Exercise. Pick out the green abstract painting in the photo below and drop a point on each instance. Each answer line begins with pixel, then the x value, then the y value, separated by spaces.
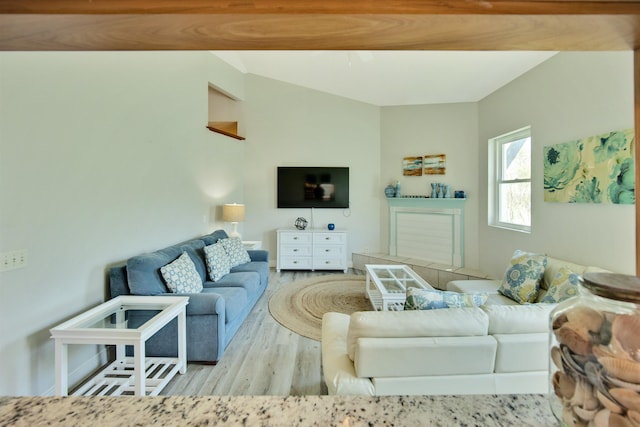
pixel 597 169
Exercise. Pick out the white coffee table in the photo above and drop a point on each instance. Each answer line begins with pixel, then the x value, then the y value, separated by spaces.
pixel 387 285
pixel 107 324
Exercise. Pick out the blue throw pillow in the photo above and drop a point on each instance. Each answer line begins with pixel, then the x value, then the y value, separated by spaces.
pixel 430 299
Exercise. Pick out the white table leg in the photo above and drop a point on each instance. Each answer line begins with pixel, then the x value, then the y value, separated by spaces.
pixel 139 376
pixel 182 341
pixel 62 386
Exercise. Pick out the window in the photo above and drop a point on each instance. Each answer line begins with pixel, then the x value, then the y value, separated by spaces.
pixel 510 180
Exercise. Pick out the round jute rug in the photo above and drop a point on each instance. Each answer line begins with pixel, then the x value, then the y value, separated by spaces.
pixel 300 305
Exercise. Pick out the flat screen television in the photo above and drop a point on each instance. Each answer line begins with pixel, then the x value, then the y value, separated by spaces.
pixel 313 187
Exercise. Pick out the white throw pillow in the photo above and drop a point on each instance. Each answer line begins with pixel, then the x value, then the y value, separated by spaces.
pixel 181 275
pixel 218 263
pixel 236 251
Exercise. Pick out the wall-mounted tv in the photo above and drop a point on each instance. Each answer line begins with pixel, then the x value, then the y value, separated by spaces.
pixel 313 187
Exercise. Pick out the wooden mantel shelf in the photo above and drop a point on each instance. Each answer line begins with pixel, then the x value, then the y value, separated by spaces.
pixel 226 128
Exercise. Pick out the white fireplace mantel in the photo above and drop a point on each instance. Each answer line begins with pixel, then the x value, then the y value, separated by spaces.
pixel 427 228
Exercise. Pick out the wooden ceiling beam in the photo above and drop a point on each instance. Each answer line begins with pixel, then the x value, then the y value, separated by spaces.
pixel 385 7
pixel 319 24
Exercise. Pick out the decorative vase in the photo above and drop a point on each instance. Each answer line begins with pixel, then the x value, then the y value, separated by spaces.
pixel 440 193
pixel 390 191
pixel 398 189
pixel 447 191
pixel 434 192
pixel 331 226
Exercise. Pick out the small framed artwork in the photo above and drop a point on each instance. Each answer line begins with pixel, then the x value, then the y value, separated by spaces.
pixel 435 164
pixel 412 166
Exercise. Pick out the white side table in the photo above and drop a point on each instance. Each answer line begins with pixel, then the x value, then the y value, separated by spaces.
pixel 107 324
pixel 252 244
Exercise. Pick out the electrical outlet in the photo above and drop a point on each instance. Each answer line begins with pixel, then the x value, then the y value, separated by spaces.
pixel 12 260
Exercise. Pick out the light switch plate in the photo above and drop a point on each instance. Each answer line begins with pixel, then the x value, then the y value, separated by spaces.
pixel 12 260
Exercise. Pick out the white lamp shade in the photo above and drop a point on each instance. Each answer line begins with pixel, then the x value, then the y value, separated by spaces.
pixel 233 212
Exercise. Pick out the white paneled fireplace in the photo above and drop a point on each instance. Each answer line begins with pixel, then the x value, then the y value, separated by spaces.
pixel 427 229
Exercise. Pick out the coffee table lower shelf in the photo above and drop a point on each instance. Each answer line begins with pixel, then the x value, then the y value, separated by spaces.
pixel 117 378
pixel 375 296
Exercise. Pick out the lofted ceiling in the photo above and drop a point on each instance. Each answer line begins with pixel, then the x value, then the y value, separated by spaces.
pixel 386 78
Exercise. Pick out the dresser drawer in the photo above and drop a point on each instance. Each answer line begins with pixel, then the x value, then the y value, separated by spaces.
pixel 297 238
pixel 328 238
pixel 295 263
pixel 329 264
pixel 328 251
pixel 295 250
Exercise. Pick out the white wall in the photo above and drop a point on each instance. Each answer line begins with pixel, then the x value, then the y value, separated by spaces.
pixel 570 96
pixel 450 129
pixel 289 125
pixel 102 156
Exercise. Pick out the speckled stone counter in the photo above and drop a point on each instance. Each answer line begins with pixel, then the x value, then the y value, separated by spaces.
pixel 503 410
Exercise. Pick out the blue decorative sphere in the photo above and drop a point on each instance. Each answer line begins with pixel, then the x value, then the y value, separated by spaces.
pixel 390 191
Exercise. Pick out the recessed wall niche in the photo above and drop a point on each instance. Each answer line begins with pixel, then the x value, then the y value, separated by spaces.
pixel 225 113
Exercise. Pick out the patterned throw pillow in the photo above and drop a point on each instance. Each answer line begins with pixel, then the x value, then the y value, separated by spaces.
pixel 430 299
pixel 236 251
pixel 181 275
pixel 563 286
pixel 218 263
pixel 522 279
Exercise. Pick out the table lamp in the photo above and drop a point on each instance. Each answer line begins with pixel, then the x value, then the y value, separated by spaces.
pixel 233 213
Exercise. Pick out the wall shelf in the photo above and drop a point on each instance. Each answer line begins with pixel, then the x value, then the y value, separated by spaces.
pixel 225 128
pixel 225 113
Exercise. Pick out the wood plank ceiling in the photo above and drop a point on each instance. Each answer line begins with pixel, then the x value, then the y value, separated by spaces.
pixel 39 25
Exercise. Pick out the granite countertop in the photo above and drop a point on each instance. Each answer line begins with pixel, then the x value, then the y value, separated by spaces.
pixel 481 410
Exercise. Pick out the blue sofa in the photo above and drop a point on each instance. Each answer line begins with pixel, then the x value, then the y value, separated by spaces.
pixel 213 315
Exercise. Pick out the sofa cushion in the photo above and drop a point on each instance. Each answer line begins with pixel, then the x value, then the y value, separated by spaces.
pixel 218 263
pixel 260 267
pixel 452 322
pixel 522 279
pixel 518 319
pixel 522 352
pixel 236 251
pixel 428 299
pixel 143 271
pixel 195 249
pixel 562 287
pixel 212 238
pixel 249 280
pixel 181 275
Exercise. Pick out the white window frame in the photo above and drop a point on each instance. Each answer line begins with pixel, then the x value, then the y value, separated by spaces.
pixel 495 178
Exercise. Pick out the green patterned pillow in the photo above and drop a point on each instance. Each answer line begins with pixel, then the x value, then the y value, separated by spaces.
pixel 218 263
pixel 430 299
pixel 563 286
pixel 236 251
pixel 181 275
pixel 522 279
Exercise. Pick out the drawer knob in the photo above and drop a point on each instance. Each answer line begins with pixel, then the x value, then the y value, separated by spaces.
pixel 327 238
pixel 295 262
pixel 327 250
pixel 295 238
pixel 295 250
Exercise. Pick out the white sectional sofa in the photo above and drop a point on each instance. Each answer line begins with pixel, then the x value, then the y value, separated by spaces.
pixel 498 348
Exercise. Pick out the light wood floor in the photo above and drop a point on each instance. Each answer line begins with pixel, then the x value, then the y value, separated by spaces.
pixel 263 358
